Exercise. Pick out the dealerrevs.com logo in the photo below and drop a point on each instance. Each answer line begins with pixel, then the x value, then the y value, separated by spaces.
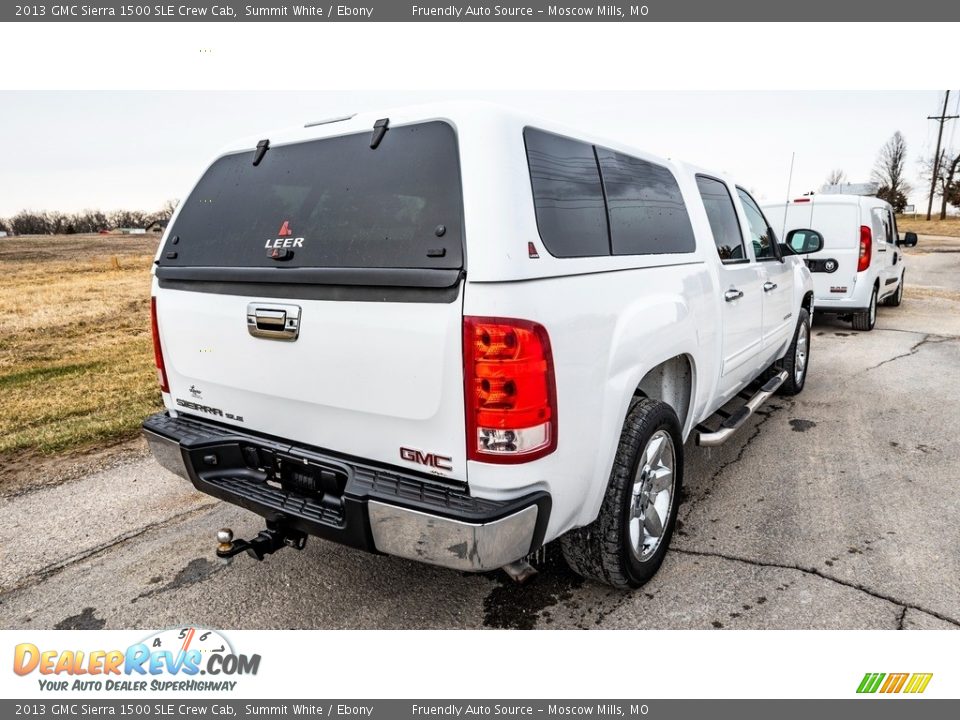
pixel 178 659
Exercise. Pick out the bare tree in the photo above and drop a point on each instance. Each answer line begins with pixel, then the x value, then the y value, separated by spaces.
pixel 169 207
pixel 128 219
pixel 27 222
pixel 947 181
pixel 836 177
pixel 890 171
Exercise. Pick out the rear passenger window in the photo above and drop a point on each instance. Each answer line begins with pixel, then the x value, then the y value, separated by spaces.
pixel 567 195
pixel 723 219
pixel 646 210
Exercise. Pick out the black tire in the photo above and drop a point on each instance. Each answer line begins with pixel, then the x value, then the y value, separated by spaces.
pixel 866 320
pixel 602 551
pixel 792 361
pixel 897 298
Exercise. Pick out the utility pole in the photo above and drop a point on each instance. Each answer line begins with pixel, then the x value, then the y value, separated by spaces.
pixel 941 118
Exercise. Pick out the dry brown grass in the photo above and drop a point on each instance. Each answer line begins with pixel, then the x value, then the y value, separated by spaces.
pixel 76 359
pixel 949 227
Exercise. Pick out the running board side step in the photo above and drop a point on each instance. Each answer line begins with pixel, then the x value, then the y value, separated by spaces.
pixel 737 419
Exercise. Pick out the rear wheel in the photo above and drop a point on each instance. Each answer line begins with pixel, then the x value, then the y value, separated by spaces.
pixel 797 359
pixel 626 544
pixel 867 319
pixel 897 298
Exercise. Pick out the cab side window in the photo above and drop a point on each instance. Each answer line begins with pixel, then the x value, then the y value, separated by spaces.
pixel 761 235
pixel 723 219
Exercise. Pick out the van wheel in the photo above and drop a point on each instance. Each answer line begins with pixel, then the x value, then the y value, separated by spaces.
pixel 866 320
pixel 797 359
pixel 897 298
pixel 625 545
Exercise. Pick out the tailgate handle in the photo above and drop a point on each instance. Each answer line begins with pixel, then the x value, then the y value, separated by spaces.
pixel 273 321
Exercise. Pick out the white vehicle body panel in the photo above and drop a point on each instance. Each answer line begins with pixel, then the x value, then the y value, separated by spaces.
pixel 839 219
pixel 363 378
pixel 366 378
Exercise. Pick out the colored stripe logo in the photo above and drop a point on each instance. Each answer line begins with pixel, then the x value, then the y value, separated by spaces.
pixel 913 683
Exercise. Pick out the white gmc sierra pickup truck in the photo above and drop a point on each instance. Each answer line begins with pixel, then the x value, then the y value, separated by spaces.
pixel 455 333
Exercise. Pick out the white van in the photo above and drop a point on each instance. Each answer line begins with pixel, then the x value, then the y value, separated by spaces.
pixel 861 263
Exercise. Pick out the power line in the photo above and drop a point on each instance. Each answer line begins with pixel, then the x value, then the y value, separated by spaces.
pixel 941 118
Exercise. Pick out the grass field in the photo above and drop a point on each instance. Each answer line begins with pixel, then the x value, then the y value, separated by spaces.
pixel 949 227
pixel 76 359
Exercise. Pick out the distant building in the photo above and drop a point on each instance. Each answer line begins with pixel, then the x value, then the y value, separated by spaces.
pixel 867 188
pixel 3 233
pixel 157 226
pixel 132 231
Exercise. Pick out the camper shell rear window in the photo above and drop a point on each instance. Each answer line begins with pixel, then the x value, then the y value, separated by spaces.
pixel 328 203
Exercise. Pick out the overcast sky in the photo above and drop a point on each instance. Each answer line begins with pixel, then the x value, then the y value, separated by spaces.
pixel 73 150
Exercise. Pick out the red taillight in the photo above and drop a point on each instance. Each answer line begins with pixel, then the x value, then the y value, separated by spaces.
pixel 157 350
pixel 509 390
pixel 866 248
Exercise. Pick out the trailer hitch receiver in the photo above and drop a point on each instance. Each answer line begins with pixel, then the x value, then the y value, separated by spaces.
pixel 274 537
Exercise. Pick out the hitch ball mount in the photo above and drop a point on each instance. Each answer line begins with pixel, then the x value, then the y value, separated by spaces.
pixel 274 537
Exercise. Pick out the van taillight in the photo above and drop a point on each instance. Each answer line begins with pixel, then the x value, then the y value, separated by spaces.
pixel 157 350
pixel 866 248
pixel 509 390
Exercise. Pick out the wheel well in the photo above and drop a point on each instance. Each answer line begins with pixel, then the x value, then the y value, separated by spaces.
pixel 807 302
pixel 670 382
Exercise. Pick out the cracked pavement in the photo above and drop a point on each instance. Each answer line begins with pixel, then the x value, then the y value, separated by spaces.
pixel 839 508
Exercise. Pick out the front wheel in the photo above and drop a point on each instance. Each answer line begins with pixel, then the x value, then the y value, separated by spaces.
pixel 866 320
pixel 797 359
pixel 626 544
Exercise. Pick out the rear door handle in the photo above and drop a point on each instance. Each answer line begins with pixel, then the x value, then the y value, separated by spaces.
pixel 768 286
pixel 732 294
pixel 273 321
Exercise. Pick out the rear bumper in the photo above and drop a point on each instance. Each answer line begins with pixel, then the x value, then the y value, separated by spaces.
pixel 842 306
pixel 349 501
pixel 838 309
pixel 857 300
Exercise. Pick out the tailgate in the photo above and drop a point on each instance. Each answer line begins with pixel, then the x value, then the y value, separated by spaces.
pixel 313 292
pixel 362 378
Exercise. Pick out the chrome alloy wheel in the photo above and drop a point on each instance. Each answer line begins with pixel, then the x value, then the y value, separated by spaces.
pixel 651 499
pixel 800 356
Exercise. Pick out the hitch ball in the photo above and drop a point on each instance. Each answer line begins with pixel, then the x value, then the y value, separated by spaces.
pixel 224 539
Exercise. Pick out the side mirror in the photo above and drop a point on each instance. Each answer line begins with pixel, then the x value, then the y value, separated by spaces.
pixel 909 240
pixel 804 242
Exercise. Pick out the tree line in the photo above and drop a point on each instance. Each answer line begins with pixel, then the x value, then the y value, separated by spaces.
pixel 52 222
pixel 890 170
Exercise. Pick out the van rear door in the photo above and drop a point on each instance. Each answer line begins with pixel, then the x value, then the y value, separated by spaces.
pixel 835 266
pixel 312 292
